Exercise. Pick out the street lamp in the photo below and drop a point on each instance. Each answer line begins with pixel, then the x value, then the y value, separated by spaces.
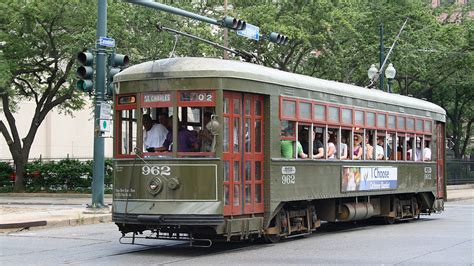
pixel 374 73
pixel 390 75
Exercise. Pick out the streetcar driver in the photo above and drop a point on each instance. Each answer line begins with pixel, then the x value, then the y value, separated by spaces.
pixel 154 134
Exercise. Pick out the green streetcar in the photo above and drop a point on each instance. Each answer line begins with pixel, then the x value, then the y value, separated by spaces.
pixel 283 152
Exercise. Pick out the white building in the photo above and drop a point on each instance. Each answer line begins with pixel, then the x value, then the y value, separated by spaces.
pixel 59 136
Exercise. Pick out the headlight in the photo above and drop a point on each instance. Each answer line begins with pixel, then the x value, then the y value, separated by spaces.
pixel 154 185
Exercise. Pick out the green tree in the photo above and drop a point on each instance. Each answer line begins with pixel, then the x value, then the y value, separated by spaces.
pixel 39 42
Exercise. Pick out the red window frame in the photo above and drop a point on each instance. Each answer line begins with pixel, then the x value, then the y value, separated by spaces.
pixel 414 124
pixel 381 127
pixel 118 122
pixel 325 112
pixel 367 126
pixel 282 115
pixel 329 122
pixel 292 137
pixel 404 128
pixel 310 111
pixel 419 131
pixel 363 117
pixel 352 116
pixel 428 130
pixel 388 123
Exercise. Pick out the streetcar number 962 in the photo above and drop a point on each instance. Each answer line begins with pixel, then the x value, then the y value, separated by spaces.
pixel 287 179
pixel 156 170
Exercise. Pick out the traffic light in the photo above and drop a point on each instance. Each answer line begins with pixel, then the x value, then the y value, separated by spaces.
pixel 85 72
pixel 278 38
pixel 233 23
pixel 117 62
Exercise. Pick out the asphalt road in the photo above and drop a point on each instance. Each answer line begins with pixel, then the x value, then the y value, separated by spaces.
pixel 445 238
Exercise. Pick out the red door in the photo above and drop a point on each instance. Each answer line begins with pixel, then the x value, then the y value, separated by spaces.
pixel 440 147
pixel 243 153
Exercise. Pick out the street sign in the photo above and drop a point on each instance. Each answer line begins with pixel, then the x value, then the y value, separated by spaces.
pixel 105 110
pixel 107 42
pixel 250 31
pixel 104 125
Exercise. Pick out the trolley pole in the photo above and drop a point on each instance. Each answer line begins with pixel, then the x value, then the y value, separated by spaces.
pixel 99 162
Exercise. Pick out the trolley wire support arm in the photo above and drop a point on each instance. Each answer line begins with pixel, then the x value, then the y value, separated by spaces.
pixel 227 22
pixel 376 77
pixel 245 55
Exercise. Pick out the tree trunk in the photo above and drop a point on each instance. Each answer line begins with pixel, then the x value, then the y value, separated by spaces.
pixel 20 168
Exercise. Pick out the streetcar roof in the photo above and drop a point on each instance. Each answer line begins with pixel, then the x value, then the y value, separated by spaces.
pixel 198 67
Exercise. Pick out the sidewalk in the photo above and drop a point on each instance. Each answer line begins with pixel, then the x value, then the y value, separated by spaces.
pixel 41 210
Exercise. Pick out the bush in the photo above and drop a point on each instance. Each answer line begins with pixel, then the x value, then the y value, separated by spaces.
pixel 67 175
pixel 6 170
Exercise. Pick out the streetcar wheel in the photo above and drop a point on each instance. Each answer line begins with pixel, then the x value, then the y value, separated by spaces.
pixel 390 220
pixel 271 239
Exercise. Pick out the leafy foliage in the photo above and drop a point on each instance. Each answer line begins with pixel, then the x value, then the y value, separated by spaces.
pixel 66 175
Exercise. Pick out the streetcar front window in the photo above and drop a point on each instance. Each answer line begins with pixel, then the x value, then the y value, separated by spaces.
pixel 195 134
pixel 126 125
pixel 128 131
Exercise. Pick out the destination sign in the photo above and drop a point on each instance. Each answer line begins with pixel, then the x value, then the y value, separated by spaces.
pixel 157 97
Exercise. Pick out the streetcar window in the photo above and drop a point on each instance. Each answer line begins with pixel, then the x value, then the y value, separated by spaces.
pixel 194 130
pixel 347 116
pixel 332 144
pixel 156 124
pixel 381 121
pixel 410 124
pixel 391 122
pixel 428 126
pixel 427 151
pixel 401 123
pixel 370 119
pixel 391 147
pixel 369 144
pixel 319 112
pixel 359 118
pixel 343 148
pixel 380 149
pixel 419 125
pixel 127 131
pixel 333 114
pixel 287 130
pixel 304 110
pixel 289 109
pixel 402 148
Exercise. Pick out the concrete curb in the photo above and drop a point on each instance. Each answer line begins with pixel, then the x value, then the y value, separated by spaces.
pixel 54 218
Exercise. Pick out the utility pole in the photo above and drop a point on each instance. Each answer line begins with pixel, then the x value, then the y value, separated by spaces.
pixel 226 32
pixel 382 58
pixel 99 162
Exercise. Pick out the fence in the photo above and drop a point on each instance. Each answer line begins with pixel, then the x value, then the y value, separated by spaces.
pixel 459 171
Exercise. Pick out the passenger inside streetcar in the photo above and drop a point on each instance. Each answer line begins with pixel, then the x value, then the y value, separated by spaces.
pixel 357 148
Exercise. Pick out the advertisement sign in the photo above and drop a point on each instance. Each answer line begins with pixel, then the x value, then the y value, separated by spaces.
pixel 367 178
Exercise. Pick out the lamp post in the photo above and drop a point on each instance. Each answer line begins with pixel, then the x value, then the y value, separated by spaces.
pixel 374 74
pixel 390 75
